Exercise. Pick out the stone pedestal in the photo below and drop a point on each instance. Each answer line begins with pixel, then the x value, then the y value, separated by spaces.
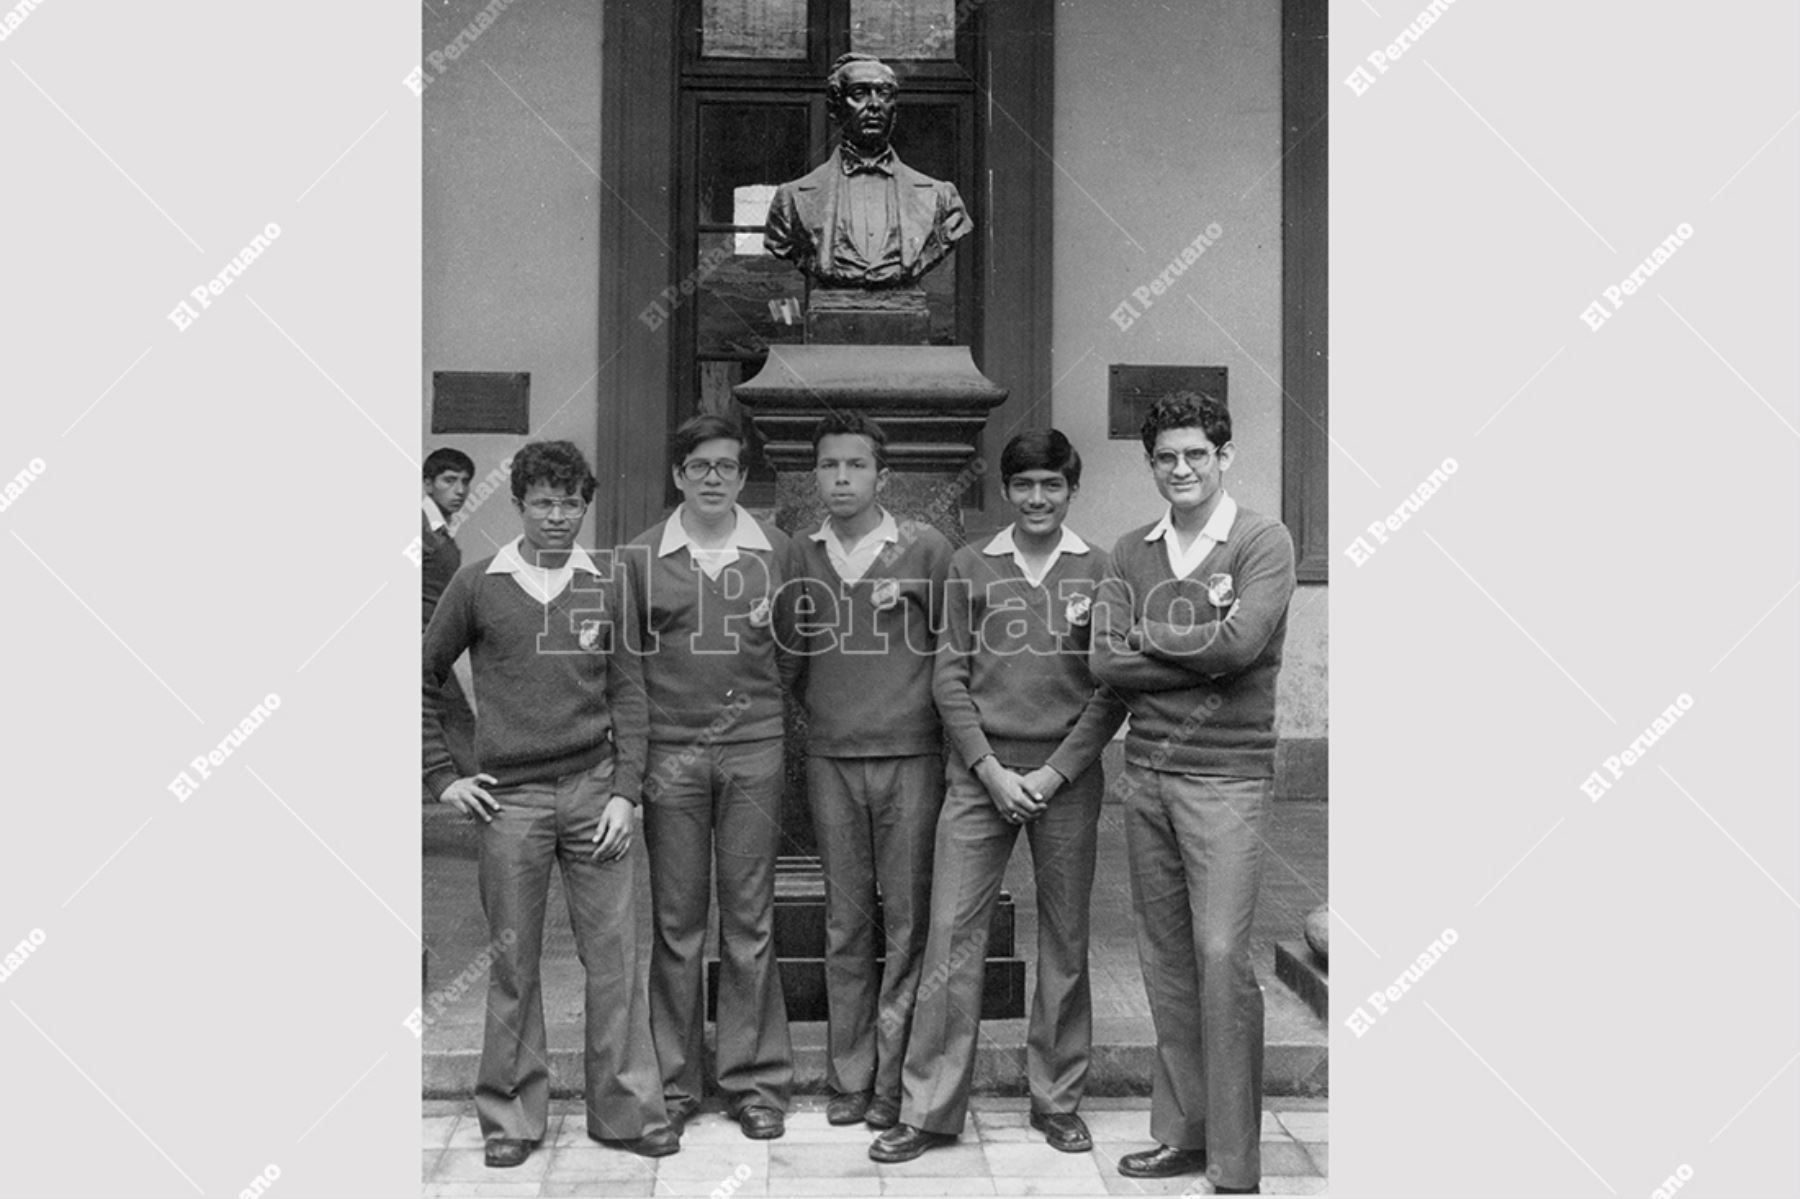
pixel 933 403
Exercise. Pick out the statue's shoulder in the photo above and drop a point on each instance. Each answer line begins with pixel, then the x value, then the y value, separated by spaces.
pixel 815 178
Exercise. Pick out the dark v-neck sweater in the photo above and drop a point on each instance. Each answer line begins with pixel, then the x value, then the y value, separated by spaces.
pixel 710 662
pixel 865 667
pixel 546 704
pixel 1202 689
pixel 1012 672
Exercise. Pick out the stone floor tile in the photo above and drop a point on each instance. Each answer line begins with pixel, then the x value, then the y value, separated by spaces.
pixel 712 1128
pixel 810 1126
pixel 465 1165
pixel 937 1186
pixel 636 1188
pixel 1117 1184
pixel 1306 1126
pixel 812 1160
pixel 699 1188
pixel 1010 1129
pixel 480 1190
pixel 430 1163
pixel 1272 1127
pixel 1285 1157
pixel 1085 1185
pixel 826 1186
pixel 963 1160
pixel 1296 1103
pixel 447 1107
pixel 435 1130
pixel 1117 1126
pixel 1320 1153
pixel 1304 1184
pixel 466 1134
pixel 1000 1103
pixel 597 1163
pixel 1038 1161
pixel 713 1164
pixel 999 1117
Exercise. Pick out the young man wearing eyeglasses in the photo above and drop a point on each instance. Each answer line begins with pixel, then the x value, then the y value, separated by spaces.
pixel 1188 629
pixel 560 736
pixel 1027 724
pixel 868 593
pixel 704 583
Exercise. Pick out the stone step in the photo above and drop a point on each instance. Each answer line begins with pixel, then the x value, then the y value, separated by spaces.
pixel 1300 968
pixel 1294 1054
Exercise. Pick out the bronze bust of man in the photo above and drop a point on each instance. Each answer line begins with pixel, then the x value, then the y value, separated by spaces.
pixel 864 219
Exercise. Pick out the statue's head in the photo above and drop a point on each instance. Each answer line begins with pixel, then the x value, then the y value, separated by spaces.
pixel 861 94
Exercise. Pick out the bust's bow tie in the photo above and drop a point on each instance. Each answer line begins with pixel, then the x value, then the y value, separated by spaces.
pixel 856 164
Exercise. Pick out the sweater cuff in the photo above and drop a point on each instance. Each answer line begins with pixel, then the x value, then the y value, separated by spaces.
pixel 438 780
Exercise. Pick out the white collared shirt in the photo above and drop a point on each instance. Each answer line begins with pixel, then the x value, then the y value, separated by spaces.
pixel 1003 544
pixel 434 519
pixel 1217 529
pixel 746 534
pixel 540 584
pixel 852 564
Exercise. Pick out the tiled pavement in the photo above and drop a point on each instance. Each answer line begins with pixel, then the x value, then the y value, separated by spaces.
pixel 997 1155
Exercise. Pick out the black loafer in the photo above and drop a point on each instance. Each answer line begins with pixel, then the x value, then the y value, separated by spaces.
pixel 903 1142
pixel 658 1142
pixel 847 1109
pixel 1063 1130
pixel 1162 1162
pixel 762 1123
pixel 882 1113
pixel 681 1113
pixel 503 1153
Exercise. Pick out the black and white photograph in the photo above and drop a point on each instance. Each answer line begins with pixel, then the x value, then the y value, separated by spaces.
pixel 964 547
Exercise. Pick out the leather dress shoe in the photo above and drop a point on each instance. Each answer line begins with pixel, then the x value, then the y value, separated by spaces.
pixel 903 1142
pixel 882 1113
pixel 1164 1161
pixel 762 1123
pixel 1063 1130
pixel 680 1114
pixel 658 1142
pixel 848 1108
pixel 502 1153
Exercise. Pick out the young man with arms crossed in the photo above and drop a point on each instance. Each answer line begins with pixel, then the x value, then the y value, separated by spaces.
pixel 704 583
pixel 1027 725
pixel 866 597
pixel 1189 629
pixel 560 738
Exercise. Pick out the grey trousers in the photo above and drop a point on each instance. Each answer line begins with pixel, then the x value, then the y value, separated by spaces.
pixel 974 842
pixel 704 803
pixel 875 819
pixel 542 824
pixel 1196 857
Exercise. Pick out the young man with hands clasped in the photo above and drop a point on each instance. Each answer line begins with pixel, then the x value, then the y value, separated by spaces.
pixel 1027 724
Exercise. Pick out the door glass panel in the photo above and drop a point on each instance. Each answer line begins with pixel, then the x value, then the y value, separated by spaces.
pixel 904 28
pixel 753 29
pixel 745 301
pixel 745 150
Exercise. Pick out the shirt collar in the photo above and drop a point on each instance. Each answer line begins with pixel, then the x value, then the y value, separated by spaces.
pixel 887 530
pixel 1218 525
pixel 855 164
pixel 1003 544
pixel 745 535
pixel 510 562
pixel 434 519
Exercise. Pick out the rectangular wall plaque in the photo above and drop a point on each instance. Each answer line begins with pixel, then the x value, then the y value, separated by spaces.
pixel 1131 389
pixel 481 401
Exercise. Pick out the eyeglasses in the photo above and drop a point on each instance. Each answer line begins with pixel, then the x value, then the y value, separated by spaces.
pixel 697 469
pixel 544 509
pixel 1197 460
